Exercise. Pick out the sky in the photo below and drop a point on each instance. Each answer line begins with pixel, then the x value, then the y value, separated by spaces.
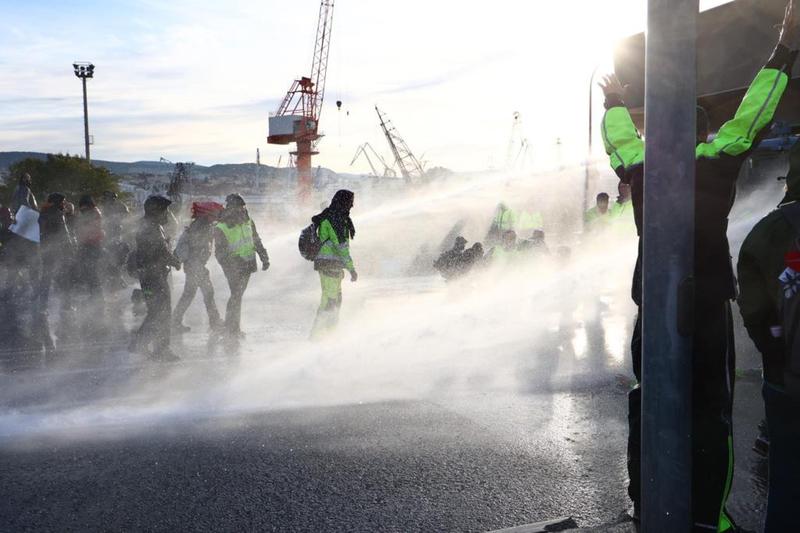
pixel 196 80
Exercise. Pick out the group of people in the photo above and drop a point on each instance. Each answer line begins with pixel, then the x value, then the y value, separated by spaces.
pixel 768 284
pixel 51 249
pixel 54 248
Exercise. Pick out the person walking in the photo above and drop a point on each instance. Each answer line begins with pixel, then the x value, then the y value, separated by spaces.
pixel 194 251
pixel 153 261
pixel 335 229
pixel 717 168
pixel 236 244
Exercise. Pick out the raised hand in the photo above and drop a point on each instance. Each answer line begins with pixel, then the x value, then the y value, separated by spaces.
pixel 611 86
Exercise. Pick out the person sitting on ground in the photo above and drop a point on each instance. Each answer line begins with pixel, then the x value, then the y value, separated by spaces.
pixel 507 250
pixel 448 263
pixel 598 217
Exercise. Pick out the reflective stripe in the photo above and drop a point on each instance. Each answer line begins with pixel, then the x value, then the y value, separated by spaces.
pixel 240 239
pixel 622 141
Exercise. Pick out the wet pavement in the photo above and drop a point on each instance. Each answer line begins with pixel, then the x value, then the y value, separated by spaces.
pixel 277 434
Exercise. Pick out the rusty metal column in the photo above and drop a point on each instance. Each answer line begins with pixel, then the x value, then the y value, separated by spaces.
pixel 670 102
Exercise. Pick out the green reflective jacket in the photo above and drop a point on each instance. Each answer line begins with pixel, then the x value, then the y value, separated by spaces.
pixel 333 255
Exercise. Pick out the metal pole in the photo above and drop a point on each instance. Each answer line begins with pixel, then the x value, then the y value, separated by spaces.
pixel 670 100
pixel 86 121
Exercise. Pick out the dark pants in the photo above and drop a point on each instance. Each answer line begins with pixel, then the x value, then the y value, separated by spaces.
pixel 783 421
pixel 713 368
pixel 88 265
pixel 238 278
pixel 197 277
pixel 155 330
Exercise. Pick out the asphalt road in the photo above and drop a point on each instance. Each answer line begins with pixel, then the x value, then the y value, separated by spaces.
pixel 401 435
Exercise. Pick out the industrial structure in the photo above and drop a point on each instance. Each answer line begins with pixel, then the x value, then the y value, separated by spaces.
pixel 85 70
pixel 364 150
pixel 297 118
pixel 518 146
pixel 410 167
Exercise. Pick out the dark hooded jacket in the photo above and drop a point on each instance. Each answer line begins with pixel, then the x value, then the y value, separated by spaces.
pixel 56 239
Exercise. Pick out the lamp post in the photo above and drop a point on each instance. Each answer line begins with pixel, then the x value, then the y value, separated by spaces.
pixel 84 70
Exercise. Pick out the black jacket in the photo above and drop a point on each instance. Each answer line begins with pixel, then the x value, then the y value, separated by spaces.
pixel 153 252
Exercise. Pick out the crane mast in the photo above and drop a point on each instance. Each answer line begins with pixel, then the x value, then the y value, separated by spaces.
pixel 410 167
pixel 297 118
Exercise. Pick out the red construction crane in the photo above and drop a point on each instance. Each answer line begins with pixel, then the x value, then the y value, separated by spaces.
pixel 297 118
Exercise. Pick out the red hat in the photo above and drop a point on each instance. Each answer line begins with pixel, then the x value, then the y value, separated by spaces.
pixel 206 209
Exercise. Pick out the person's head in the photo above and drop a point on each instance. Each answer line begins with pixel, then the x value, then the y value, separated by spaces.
pixel 602 202
pixel 703 125
pixel 26 179
pixel 461 243
pixel 509 239
pixel 69 209
pixel 623 192
pixel 206 210
pixel 475 251
pixel 234 201
pixel 56 199
pixel 155 208
pixel 86 202
pixel 343 201
pixel 109 196
pixel 537 237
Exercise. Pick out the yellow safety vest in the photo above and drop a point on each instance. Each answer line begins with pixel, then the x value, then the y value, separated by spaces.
pixel 240 239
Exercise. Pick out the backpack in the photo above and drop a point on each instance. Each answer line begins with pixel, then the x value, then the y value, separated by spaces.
pixel 309 243
pixel 790 304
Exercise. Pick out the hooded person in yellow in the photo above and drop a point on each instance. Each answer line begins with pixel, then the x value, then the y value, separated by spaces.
pixel 335 229
pixel 236 244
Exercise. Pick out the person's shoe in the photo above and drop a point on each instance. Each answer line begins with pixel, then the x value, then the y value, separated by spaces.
pixel 177 327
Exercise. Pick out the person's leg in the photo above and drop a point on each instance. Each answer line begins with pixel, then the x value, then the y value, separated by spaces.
pixel 635 421
pixel 714 367
pixel 330 302
pixel 783 422
pixel 163 312
pixel 207 288
pixel 41 316
pixel 189 290
pixel 145 334
pixel 237 281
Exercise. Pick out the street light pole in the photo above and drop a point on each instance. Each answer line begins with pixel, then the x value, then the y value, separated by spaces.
pixel 668 265
pixel 84 71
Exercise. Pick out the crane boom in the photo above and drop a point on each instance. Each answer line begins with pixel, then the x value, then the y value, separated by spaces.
pixel 409 165
pixel 319 65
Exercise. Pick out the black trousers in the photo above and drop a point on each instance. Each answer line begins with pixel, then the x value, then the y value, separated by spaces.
pixel 155 330
pixel 238 278
pixel 713 373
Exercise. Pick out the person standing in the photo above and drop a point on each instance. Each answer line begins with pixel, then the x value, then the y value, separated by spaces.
pixel 90 236
pixel 716 169
pixel 23 195
pixel 116 248
pixel 56 247
pixel 236 244
pixel 153 261
pixel 768 267
pixel 194 250
pixel 335 229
